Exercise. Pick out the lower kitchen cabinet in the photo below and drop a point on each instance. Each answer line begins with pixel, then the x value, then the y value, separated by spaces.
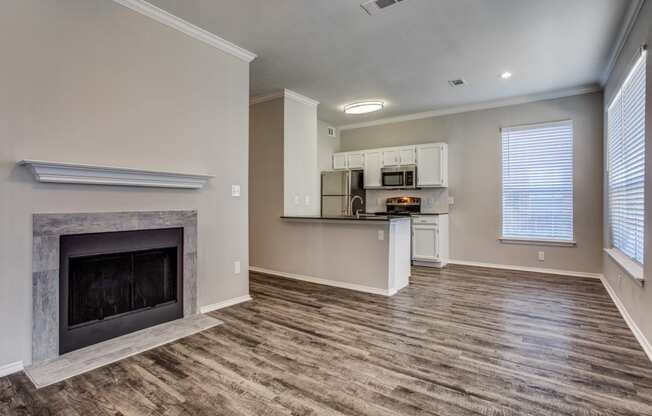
pixel 430 240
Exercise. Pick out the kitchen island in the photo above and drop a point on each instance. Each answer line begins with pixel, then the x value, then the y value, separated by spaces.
pixel 369 254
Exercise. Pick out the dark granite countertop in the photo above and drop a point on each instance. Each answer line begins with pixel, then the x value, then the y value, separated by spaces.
pixel 364 218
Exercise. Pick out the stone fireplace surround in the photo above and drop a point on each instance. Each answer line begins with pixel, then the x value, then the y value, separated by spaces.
pixel 47 230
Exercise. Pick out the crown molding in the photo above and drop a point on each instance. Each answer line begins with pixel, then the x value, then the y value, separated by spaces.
pixel 628 24
pixel 283 94
pixel 170 20
pixel 524 99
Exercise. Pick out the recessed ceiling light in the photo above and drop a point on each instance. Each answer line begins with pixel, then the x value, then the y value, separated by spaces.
pixel 363 107
pixel 506 75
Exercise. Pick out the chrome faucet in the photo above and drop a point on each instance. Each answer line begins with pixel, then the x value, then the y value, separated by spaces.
pixel 357 211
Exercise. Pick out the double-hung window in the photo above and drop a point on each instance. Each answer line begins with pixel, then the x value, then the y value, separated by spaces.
pixel 537 191
pixel 626 164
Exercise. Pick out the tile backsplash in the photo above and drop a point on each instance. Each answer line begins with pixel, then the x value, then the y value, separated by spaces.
pixel 432 199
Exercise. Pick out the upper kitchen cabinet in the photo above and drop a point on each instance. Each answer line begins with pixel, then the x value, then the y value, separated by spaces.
pixel 348 160
pixel 407 155
pixel 339 161
pixel 355 160
pixel 432 165
pixel 372 166
pixel 399 156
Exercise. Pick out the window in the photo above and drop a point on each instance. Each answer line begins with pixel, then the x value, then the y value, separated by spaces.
pixel 626 164
pixel 538 182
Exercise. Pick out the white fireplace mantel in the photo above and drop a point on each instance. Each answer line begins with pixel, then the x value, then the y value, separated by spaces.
pixel 57 172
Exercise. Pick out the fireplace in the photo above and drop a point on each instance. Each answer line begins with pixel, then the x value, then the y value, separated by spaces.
pixel 114 283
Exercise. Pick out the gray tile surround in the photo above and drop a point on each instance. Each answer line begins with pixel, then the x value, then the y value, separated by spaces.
pixel 47 230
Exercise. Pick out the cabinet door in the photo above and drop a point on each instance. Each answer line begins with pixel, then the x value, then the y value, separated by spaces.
pixel 424 242
pixel 372 165
pixel 355 160
pixel 391 158
pixel 407 156
pixel 431 165
pixel 339 161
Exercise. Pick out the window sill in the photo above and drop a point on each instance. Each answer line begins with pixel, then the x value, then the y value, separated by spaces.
pixel 537 242
pixel 631 268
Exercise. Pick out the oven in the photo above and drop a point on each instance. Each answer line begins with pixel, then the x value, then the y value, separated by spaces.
pixel 399 177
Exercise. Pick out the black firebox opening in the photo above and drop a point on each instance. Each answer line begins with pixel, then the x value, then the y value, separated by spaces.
pixel 119 282
pixel 112 284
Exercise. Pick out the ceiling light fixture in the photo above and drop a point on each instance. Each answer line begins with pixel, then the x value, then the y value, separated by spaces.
pixel 506 75
pixel 363 107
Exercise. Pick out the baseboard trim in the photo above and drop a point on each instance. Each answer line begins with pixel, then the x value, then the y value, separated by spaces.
pixel 326 282
pixel 11 368
pixel 638 334
pixel 526 269
pixel 224 304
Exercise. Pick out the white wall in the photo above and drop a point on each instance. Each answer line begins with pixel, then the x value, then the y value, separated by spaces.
pixel 91 81
pixel 300 171
pixel 475 177
pixel 636 299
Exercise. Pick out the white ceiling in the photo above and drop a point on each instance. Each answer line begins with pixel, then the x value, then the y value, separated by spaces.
pixel 333 52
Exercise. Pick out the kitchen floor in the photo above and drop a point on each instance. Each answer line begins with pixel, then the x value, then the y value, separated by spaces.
pixel 463 341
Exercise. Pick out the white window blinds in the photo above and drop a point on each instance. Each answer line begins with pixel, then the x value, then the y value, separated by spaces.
pixel 626 164
pixel 538 182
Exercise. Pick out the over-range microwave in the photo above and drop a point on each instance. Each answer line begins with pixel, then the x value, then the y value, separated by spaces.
pixel 399 177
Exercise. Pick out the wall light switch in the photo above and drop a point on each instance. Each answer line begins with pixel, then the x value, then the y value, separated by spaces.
pixel 381 235
pixel 296 200
pixel 307 199
pixel 235 190
pixel 236 267
pixel 542 256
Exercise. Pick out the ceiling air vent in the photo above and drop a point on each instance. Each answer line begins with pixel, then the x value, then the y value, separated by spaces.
pixel 457 82
pixel 331 132
pixel 374 6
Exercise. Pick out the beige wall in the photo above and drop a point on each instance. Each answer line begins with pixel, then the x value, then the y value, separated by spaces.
pixel 350 253
pixel 475 177
pixel 326 146
pixel 636 299
pixel 93 82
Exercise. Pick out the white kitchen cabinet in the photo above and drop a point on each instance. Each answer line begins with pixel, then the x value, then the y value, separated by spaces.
pixel 391 157
pixel 432 165
pixel 355 160
pixel 430 240
pixel 397 156
pixel 372 165
pixel 339 161
pixel 407 155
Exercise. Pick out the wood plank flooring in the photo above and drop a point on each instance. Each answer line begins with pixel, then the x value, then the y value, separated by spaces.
pixel 463 341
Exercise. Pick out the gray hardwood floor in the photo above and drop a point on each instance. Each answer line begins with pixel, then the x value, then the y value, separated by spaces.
pixel 463 341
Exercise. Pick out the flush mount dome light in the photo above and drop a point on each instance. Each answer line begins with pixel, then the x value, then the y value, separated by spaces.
pixel 363 107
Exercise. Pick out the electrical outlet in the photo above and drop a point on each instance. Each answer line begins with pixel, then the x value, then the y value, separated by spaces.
pixel 307 199
pixel 451 200
pixel 297 200
pixel 381 235
pixel 542 256
pixel 235 190
pixel 236 267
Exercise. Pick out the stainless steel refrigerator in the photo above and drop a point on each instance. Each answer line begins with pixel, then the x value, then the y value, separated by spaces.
pixel 337 189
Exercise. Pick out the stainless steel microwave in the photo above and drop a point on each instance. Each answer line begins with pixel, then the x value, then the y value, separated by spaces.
pixel 399 177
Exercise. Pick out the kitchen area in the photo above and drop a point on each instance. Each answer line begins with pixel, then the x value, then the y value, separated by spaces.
pixel 386 183
pixel 360 221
